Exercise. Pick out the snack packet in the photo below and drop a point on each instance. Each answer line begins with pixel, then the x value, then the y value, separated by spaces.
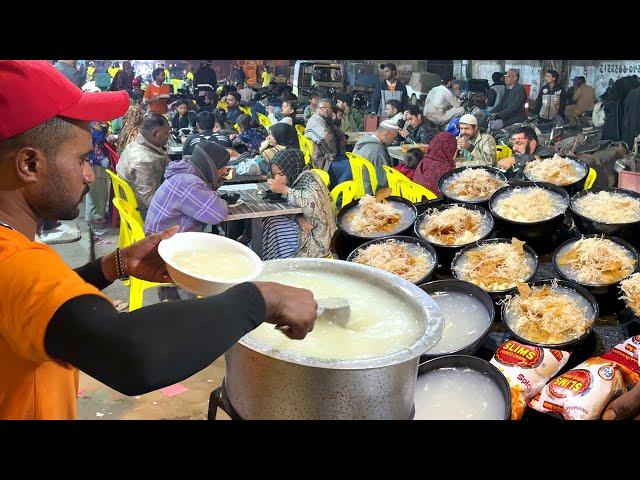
pixel 527 370
pixel 581 393
pixel 626 354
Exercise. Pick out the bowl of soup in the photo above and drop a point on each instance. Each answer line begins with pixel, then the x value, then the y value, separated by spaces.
pixel 207 264
pixel 569 173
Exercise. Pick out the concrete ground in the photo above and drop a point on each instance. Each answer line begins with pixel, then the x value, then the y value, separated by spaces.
pixel 96 401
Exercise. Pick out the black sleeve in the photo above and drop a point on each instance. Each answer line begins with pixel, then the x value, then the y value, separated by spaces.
pixel 517 102
pixel 155 346
pixel 491 98
pixel 92 273
pixel 375 98
pixel 537 105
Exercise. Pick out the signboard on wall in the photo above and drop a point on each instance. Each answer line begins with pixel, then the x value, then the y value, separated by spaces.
pixel 609 71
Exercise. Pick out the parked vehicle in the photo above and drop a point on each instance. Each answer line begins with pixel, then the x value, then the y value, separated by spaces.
pixel 324 75
pixel 361 77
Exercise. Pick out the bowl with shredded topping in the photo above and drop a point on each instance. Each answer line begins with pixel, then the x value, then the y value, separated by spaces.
pixel 530 210
pixel 369 217
pixel 569 173
pixel 550 313
pixel 408 257
pixel 609 211
pixel 598 263
pixel 451 227
pixel 473 184
pixel 631 293
pixel 496 265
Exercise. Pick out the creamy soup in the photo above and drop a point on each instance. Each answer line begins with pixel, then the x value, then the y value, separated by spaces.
pixel 529 204
pixel 608 207
pixel 220 265
pixel 361 220
pixel 380 322
pixel 465 320
pixel 458 394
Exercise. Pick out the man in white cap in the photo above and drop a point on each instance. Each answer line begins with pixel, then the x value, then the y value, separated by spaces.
pixel 374 148
pixel 474 147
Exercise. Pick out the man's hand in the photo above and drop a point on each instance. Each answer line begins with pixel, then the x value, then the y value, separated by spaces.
pixel 290 306
pixel 404 133
pixel 305 225
pixel 141 259
pixel 626 406
pixel 463 142
pixel 506 163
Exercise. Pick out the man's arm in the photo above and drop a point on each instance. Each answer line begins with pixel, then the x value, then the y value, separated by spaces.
pixel 517 103
pixel 375 99
pixel 204 205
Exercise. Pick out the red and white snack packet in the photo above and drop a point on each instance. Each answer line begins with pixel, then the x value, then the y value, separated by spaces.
pixel 581 393
pixel 627 355
pixel 527 369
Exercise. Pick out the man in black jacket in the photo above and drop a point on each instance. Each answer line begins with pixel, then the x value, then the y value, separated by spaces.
pixel 205 79
pixel 56 321
pixel 388 88
pixel 510 110
pixel 550 103
pixel 415 128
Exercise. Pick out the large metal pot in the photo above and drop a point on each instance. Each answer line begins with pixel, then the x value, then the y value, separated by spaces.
pixel 265 384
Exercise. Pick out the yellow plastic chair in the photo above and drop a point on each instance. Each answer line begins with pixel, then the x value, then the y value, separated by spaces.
pixel 122 190
pixel 591 179
pixel 136 232
pixel 414 192
pixel 393 179
pixel 300 129
pixel 222 105
pixel 306 146
pixel 357 164
pixel 503 151
pixel 245 110
pixel 236 126
pixel 347 190
pixel 324 176
pixel 264 120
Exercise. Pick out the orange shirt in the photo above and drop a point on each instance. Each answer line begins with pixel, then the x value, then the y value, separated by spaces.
pixel 153 91
pixel 35 283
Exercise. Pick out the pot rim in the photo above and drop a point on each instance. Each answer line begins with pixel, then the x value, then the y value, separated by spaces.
pixel 426 308
pixel 512 186
pixel 620 191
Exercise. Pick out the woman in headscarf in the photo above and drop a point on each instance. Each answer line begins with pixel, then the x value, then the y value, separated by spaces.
pixel 437 162
pixel 308 234
pixel 282 136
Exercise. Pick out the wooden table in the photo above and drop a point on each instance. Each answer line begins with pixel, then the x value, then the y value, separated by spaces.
pixel 397 153
pixel 254 207
pixel 240 179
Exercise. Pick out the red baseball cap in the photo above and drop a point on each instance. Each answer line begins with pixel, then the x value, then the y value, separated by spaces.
pixel 33 91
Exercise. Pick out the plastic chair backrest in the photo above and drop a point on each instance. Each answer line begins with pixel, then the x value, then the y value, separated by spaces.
pixel 324 176
pixel 223 105
pixel 591 179
pixel 345 189
pixel 414 192
pixel 122 189
pixel 132 218
pixel 236 126
pixel 357 164
pixel 245 110
pixel 306 147
pixel 264 120
pixel 300 129
pixel 393 179
pixel 503 151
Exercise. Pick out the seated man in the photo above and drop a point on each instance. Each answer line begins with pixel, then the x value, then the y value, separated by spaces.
pixel 144 160
pixel 188 197
pixel 416 130
pixel 583 98
pixel 374 148
pixel 233 110
pixel 351 120
pixel 525 148
pixel 393 112
pixel 476 148
pixel 205 123
pixel 260 106
pixel 286 114
pixel 310 109
pixel 329 144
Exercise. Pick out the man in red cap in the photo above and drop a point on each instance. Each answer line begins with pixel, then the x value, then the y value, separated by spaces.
pixel 55 320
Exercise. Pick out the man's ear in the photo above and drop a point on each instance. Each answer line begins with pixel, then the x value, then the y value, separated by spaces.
pixel 30 164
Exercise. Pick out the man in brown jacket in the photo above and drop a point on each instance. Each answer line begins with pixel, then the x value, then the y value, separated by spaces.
pixel 584 98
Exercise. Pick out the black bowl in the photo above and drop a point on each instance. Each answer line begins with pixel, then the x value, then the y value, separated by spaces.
pixel 447 252
pixel 342 245
pixel 574 187
pixel 493 171
pixel 430 250
pixel 580 290
pixel 475 291
pixel 530 232
pixel 496 295
pixel 608 294
pixel 473 363
pixel 585 225
pixel 363 238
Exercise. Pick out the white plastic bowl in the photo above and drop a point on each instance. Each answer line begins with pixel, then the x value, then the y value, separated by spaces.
pixel 199 241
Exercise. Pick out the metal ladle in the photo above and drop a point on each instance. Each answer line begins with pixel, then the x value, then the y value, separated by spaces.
pixel 333 309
